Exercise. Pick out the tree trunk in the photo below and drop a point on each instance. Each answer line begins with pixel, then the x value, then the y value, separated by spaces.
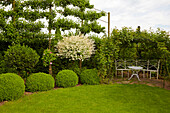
pixel 13 7
pixel 81 26
pixel 80 64
pixel 50 69
pixel 19 73
pixel 50 65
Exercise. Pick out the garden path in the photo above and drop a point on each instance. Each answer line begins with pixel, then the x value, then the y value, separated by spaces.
pixel 150 82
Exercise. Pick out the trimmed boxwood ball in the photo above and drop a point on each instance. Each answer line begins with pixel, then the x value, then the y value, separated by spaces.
pixel 89 76
pixel 11 87
pixel 66 78
pixel 39 82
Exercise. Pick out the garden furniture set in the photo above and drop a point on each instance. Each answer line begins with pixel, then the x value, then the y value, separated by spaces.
pixel 136 66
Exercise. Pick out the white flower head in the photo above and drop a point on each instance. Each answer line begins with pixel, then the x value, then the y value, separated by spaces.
pixel 76 47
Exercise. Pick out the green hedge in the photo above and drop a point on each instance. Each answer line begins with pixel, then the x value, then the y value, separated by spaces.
pixel 39 82
pixel 11 86
pixel 89 76
pixel 66 78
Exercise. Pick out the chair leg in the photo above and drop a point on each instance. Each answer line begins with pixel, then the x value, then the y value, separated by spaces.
pixel 150 74
pixel 116 73
pixel 143 73
pixel 138 77
pixel 122 73
pixel 128 73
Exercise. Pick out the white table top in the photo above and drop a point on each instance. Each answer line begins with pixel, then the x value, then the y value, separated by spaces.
pixel 135 67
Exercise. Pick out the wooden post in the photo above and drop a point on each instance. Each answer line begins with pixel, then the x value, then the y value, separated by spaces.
pixel 108 24
pixel 139 29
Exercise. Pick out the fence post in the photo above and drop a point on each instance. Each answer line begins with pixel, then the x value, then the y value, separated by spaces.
pixel 108 24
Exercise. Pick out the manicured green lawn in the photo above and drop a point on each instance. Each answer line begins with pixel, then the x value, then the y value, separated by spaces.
pixel 116 98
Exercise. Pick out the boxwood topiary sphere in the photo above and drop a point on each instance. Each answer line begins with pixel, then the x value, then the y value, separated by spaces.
pixel 39 82
pixel 11 87
pixel 89 76
pixel 66 78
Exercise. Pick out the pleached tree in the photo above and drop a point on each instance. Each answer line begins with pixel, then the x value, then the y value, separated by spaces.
pixel 19 25
pixel 83 10
pixel 16 26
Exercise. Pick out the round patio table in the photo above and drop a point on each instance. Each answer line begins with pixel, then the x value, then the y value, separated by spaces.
pixel 135 70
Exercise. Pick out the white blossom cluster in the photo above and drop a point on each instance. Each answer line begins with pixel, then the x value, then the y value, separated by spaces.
pixel 76 47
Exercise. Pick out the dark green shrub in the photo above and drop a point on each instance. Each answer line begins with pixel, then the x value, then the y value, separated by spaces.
pixel 76 69
pixel 39 82
pixel 66 78
pixel 22 58
pixel 89 76
pixel 11 86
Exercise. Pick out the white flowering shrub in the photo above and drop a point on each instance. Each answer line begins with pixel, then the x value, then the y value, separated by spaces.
pixel 75 47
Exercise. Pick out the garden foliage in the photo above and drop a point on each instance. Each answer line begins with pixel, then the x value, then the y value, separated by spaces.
pixel 66 78
pixel 89 76
pixel 39 82
pixel 128 44
pixel 75 68
pixel 22 58
pixel 105 56
pixel 24 27
pixel 11 86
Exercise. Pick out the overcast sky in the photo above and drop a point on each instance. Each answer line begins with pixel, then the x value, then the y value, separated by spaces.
pixel 133 13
